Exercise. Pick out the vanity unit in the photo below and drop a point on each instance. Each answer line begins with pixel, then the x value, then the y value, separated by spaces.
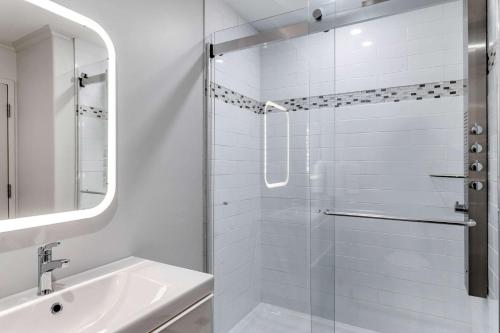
pixel 132 295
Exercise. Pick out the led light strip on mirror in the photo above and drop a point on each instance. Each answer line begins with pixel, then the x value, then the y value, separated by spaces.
pixel 50 219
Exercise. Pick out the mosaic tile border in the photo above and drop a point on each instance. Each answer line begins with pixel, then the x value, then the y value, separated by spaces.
pixel 433 90
pixel 92 112
pixel 229 96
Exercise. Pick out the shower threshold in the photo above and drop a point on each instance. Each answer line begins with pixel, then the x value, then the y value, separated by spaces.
pixel 267 318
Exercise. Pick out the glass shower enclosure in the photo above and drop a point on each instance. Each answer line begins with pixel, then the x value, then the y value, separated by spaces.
pixel 338 194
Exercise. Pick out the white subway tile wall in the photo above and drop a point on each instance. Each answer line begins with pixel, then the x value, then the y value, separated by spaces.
pixel 92 134
pixel 419 46
pixel 273 245
pixel 236 215
pixel 385 154
pixel 236 164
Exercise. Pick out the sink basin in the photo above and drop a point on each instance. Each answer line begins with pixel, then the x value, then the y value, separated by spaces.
pixel 132 295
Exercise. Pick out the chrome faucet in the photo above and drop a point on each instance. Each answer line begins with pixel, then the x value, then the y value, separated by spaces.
pixel 45 267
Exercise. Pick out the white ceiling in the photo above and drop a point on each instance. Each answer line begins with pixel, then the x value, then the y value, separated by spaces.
pixel 259 9
pixel 19 18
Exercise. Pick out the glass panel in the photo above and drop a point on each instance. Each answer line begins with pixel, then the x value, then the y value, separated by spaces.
pixel 322 101
pixel 363 119
pixel 92 118
pixel 260 183
pixel 399 151
pixel 237 182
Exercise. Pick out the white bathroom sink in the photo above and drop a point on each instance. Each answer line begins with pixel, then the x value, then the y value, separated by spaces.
pixel 132 295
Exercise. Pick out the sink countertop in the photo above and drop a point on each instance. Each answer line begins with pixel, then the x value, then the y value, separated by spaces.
pixel 128 296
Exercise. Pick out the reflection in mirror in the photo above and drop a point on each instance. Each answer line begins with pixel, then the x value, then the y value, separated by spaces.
pixel 53 113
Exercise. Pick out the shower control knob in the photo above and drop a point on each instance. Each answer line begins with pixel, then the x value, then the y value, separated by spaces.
pixel 476 185
pixel 476 148
pixel 476 129
pixel 476 166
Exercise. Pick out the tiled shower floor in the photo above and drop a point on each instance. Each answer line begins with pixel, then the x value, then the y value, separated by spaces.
pixel 266 318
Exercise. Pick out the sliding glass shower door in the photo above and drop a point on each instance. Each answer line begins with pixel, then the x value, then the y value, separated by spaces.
pixel 399 167
pixel 402 238
pixel 338 189
pixel 261 200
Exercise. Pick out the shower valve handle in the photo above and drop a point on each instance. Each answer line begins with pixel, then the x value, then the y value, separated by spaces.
pixel 476 129
pixel 476 148
pixel 476 166
pixel 476 185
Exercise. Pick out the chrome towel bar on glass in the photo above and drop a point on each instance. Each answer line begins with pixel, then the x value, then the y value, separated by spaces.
pixel 470 223
pixel 448 176
pixel 92 192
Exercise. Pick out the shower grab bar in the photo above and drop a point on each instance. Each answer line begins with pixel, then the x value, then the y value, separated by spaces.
pixel 470 223
pixel 448 176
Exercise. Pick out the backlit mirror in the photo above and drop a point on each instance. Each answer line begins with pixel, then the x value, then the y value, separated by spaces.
pixel 56 81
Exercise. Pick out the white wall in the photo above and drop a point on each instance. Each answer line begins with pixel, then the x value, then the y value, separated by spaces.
pixel 158 210
pixel 35 124
pixel 46 150
pixel 64 124
pixel 8 68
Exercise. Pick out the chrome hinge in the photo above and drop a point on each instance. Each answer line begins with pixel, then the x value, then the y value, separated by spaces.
pixel 461 208
pixel 211 51
pixel 82 80
pixel 8 110
pixel 9 191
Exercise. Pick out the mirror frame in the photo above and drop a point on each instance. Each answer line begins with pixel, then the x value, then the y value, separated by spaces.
pixel 56 218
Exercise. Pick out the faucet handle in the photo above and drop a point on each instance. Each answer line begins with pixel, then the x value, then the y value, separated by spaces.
pixel 48 247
